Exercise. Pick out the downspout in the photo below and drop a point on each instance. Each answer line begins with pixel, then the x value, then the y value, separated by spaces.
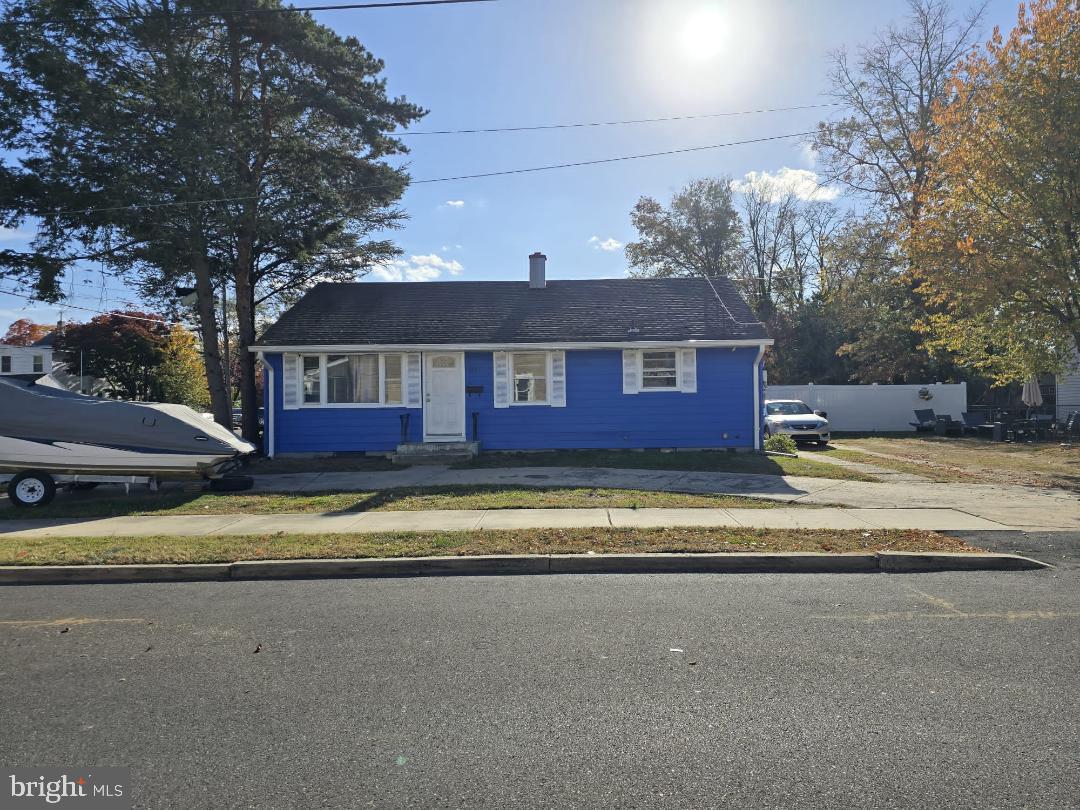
pixel 268 404
pixel 757 396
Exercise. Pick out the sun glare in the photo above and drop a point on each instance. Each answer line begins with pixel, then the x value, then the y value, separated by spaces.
pixel 704 35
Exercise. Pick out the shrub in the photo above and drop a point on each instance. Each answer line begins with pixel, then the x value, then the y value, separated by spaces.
pixel 779 443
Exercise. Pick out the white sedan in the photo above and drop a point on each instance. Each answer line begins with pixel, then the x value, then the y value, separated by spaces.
pixel 797 420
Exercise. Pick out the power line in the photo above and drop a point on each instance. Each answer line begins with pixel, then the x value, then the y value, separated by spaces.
pixel 127 300
pixel 61 305
pixel 618 123
pixel 612 159
pixel 244 11
pixel 503 173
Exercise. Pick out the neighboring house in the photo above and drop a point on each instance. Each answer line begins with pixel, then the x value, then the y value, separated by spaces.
pixel 1067 397
pixel 40 359
pixel 26 361
pixel 612 363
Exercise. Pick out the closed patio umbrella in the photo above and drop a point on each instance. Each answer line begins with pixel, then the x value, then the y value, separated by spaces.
pixel 1032 396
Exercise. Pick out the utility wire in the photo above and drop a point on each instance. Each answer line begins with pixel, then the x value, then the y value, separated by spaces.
pixel 85 297
pixel 243 11
pixel 616 123
pixel 529 170
pixel 612 159
pixel 62 305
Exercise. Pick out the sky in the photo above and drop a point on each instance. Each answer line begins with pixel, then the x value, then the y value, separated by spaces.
pixel 536 62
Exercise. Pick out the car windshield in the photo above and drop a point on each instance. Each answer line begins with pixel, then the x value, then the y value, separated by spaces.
pixel 786 408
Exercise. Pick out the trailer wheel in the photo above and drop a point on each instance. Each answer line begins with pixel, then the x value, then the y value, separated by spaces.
pixel 31 489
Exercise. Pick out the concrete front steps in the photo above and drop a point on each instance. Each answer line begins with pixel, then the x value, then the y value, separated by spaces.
pixel 435 452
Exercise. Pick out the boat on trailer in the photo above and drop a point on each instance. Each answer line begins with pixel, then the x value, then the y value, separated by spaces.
pixel 48 432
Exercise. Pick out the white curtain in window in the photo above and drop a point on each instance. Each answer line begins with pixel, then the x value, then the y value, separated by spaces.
pixel 365 374
pixel 392 370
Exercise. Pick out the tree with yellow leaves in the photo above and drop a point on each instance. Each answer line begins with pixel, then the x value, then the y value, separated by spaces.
pixel 179 377
pixel 997 247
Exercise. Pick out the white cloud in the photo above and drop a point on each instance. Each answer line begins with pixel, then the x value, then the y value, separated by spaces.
pixel 456 203
pixel 809 154
pixel 803 183
pixel 417 268
pixel 608 244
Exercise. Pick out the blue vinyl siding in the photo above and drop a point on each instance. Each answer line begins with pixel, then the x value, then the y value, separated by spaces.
pixel 597 413
pixel 324 430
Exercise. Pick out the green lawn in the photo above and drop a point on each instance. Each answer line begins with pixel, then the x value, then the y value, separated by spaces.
pixel 124 550
pixel 100 503
pixel 701 460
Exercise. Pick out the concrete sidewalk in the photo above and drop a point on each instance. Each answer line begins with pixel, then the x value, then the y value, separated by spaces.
pixel 470 519
pixel 1023 507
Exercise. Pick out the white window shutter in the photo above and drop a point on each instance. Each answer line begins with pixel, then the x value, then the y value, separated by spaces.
pixel 558 379
pixel 688 383
pixel 290 382
pixel 630 371
pixel 501 388
pixel 413 390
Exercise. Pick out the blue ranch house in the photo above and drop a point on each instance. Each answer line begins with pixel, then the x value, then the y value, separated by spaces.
pixel 508 365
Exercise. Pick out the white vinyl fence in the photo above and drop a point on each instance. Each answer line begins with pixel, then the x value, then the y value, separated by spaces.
pixel 876 408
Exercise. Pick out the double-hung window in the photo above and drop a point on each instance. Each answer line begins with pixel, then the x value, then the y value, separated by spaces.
pixel 659 371
pixel 352 379
pixel 529 378
pixel 39 363
pixel 5 363
pixel 529 373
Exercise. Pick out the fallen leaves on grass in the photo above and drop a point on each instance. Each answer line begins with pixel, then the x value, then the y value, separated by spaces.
pixel 606 540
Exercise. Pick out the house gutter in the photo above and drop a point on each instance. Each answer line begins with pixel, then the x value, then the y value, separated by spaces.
pixel 757 395
pixel 499 347
pixel 268 434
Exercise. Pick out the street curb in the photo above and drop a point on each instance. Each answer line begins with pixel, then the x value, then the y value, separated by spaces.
pixel 893 562
pixel 76 574
pixel 912 562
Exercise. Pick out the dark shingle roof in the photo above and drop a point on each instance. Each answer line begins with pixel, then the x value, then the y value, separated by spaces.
pixel 507 312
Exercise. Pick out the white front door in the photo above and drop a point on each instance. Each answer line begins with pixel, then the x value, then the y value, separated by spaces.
pixel 444 397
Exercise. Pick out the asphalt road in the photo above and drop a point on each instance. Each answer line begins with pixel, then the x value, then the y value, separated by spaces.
pixel 589 691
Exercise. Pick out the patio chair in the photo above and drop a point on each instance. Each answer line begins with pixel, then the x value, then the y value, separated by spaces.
pixel 926 420
pixel 945 425
pixel 975 422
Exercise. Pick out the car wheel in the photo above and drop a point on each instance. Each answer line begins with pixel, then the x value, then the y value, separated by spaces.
pixel 31 489
pixel 824 443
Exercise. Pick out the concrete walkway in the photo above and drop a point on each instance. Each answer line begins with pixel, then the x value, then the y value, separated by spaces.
pixel 1026 508
pixel 472 519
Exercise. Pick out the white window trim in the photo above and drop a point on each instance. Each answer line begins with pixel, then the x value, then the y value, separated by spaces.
pixel 546 402
pixel 36 361
pixel 677 388
pixel 322 403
